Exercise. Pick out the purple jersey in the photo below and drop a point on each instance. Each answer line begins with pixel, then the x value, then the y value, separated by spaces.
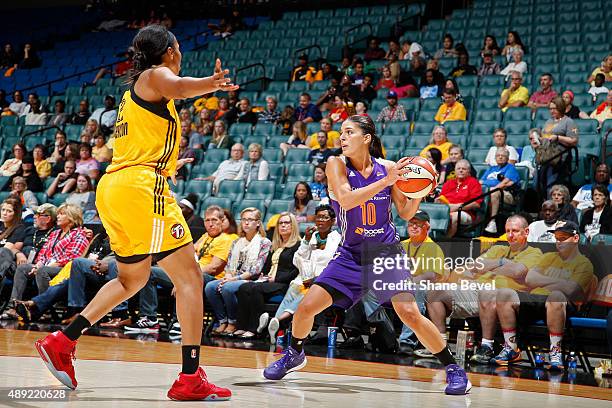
pixel 372 221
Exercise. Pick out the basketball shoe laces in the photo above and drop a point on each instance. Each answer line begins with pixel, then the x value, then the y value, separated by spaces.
pixel 286 355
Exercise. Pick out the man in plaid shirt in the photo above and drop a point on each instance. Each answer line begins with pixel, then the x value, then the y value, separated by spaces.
pixel 66 243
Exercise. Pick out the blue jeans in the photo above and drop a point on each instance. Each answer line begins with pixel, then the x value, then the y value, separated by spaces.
pixel 47 299
pixel 224 303
pixel 80 274
pixel 407 336
pixel 148 294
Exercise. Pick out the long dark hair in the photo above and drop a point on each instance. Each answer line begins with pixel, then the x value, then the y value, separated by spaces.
pixel 308 194
pixel 150 44
pixel 16 205
pixel 367 126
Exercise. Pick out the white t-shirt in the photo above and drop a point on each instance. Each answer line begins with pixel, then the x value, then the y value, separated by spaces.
pixel 538 232
pixel 592 229
pixel 594 90
pixel 584 196
pixel 513 66
pixel 490 159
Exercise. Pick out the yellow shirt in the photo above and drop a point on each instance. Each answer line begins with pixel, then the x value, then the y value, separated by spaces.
pixel 529 257
pixel 211 103
pixel 428 257
pixel 579 270
pixel 43 168
pixel 146 135
pixel 521 94
pixel 455 112
pixel 206 248
pixel 443 148
pixel 332 136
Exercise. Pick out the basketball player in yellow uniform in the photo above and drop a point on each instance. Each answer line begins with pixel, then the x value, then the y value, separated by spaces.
pixel 142 218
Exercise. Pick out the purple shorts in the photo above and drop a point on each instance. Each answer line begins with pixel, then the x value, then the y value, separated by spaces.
pixel 353 275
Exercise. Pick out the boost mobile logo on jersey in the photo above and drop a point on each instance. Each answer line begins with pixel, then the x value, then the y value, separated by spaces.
pixel 359 231
pixel 177 231
pixel 369 233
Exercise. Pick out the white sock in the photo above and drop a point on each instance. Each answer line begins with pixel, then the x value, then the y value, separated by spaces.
pixel 444 336
pixel 555 339
pixel 510 338
pixel 486 342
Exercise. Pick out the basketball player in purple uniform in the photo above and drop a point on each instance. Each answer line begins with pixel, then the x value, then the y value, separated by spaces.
pixel 361 190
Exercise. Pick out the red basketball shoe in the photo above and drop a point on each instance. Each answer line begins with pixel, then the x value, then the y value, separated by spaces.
pixel 57 352
pixel 194 387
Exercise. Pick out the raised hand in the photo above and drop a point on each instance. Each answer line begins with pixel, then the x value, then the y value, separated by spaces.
pixel 220 80
pixel 395 172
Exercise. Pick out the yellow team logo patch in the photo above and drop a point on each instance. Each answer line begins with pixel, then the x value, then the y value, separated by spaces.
pixel 359 231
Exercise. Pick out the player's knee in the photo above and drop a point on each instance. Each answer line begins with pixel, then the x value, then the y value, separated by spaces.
pixel 306 309
pixel 556 300
pixel 409 312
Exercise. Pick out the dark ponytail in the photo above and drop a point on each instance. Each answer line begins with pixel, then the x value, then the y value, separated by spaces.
pixel 150 44
pixel 367 126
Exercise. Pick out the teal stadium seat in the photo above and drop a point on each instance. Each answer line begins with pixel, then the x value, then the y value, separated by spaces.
pixel 397 129
pixel 216 155
pixel 232 189
pixel 277 172
pixel 222 202
pixel 239 206
pixel 260 190
pixel 288 190
pixel 240 130
pixel 200 187
pixel 439 215
pixel 297 156
pixel 300 172
pixel 394 141
pixel 423 128
pixel 517 114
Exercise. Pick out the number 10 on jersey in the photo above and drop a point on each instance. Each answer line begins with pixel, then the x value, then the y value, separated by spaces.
pixel 368 213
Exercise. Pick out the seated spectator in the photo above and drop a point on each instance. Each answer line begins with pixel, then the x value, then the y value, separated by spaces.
pixel 64 182
pixel 393 112
pixel 213 248
pixel 439 140
pixel 120 69
pixel 34 239
pixel 28 172
pixel 418 65
pixel 11 166
pixel 228 169
pixel 488 66
pixel 598 87
pixel 314 253
pixel 204 122
pixel 271 114
pixel 277 273
pixel 450 109
pixel 447 50
pixel 245 262
pixel 185 152
pixel 298 138
pixel 59 117
pixel 583 200
pixel 516 95
pixel 303 205
pixel 100 151
pixel 9 58
pixel 559 282
pixel 503 175
pixel 358 73
pixel 86 163
pixel 361 108
pixel 188 208
pixel 605 68
pixel 321 154
pixel 571 111
pixel 32 100
pixel 20 192
pixel 543 97
pixel 307 112
pixel 80 117
pixel 604 110
pixel 43 167
pixel 513 43
pixel 12 230
pixel 499 140
pixel 429 88
pixel 562 133
pixel 528 154
pixel 517 65
pixel 598 219
pixel 451 83
pixel 386 80
pixel 365 91
pixel 561 196
pixel 83 195
pixel 17 107
pixel 36 116
pixel 463 67
pixel 196 140
pixel 333 137
pixel 540 231
pixel 220 138
pixel 185 115
pixel 490 45
pixel 244 114
pixel 435 157
pixel 256 168
pixel 286 120
pixel 301 70
pixel 30 58
pixel 339 112
pixel 66 243
pixel 455 153
pixel 59 148
pixel 106 116
pixel 224 108
pixel 90 131
pixel 374 52
pixel 456 192
pixel 318 185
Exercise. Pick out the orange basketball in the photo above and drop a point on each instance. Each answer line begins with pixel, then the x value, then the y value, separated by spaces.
pixel 419 178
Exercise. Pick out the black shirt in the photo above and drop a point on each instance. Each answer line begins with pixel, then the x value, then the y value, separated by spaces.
pixel 35 239
pixel 286 271
pixel 573 113
pixel 317 156
pixel 17 235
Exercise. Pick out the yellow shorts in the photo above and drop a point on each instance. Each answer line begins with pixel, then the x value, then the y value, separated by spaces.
pixel 139 213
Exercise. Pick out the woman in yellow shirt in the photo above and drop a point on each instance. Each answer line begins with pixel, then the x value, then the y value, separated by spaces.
pixel 439 140
pixel 43 167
